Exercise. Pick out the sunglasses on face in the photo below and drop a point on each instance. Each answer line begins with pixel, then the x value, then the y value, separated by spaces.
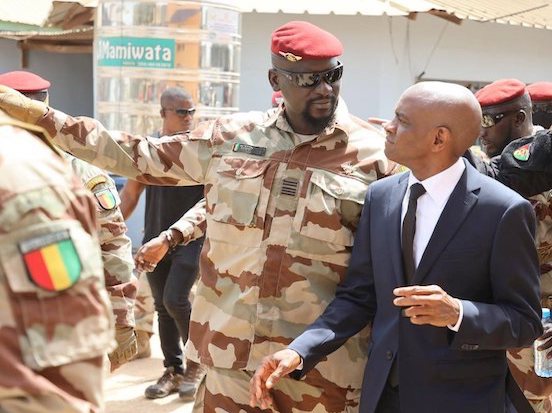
pixel 313 79
pixel 490 119
pixel 182 112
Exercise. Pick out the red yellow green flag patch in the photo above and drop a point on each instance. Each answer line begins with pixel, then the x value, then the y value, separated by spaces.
pixel 52 261
pixel 107 198
pixel 522 153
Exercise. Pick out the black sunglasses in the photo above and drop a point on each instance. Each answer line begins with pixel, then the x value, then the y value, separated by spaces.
pixel 490 119
pixel 182 112
pixel 313 79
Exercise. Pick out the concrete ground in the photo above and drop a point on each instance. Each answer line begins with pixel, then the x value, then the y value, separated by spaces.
pixel 125 387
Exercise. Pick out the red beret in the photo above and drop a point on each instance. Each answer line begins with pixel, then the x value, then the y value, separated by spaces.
pixel 24 81
pixel 540 91
pixel 500 91
pixel 276 98
pixel 298 40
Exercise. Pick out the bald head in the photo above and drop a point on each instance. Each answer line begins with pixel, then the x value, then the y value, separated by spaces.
pixel 434 124
pixel 451 106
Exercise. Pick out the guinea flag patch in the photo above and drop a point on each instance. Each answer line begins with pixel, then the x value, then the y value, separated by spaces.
pixel 52 261
pixel 107 198
pixel 522 153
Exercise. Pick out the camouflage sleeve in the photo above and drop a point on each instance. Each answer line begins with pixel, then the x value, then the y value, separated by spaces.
pixel 115 244
pixel 55 314
pixel 170 160
pixel 193 223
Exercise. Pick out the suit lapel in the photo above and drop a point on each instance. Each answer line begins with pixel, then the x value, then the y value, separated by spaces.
pixel 460 203
pixel 393 224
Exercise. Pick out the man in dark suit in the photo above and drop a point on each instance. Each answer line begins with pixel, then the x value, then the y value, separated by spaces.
pixel 444 266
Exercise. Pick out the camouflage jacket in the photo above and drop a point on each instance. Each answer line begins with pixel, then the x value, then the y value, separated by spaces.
pixel 55 316
pixel 116 246
pixel 193 223
pixel 281 217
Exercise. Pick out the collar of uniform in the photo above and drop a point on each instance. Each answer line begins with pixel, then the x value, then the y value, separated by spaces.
pixel 342 120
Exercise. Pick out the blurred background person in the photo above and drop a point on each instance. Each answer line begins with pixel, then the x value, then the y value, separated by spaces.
pixel 173 277
pixel 541 97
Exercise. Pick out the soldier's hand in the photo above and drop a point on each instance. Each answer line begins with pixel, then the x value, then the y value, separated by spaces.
pixel 127 346
pixel 21 107
pixel 270 371
pixel 149 254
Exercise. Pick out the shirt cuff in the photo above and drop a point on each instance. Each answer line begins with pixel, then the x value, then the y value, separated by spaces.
pixel 456 327
pixel 300 366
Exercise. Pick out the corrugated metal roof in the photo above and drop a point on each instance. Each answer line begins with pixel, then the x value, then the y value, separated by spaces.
pixel 529 13
pixel 343 7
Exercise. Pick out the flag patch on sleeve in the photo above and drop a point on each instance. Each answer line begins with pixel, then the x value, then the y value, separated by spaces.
pixel 522 153
pixel 51 260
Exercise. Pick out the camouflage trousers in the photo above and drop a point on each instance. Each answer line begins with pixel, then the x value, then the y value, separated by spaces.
pixel 143 308
pixel 538 390
pixel 225 390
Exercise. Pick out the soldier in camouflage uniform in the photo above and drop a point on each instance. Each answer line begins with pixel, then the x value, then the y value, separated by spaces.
pixel 284 190
pixel 507 116
pixel 115 244
pixel 55 315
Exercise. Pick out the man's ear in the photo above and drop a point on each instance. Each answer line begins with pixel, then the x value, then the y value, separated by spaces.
pixel 520 117
pixel 441 138
pixel 273 79
pixel 162 113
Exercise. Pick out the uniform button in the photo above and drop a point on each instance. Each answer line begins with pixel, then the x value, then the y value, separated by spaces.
pixel 389 355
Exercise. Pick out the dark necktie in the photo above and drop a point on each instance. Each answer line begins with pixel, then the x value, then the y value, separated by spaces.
pixel 408 231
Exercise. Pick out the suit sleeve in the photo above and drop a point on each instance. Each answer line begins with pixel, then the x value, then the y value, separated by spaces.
pixel 170 160
pixel 513 318
pixel 352 308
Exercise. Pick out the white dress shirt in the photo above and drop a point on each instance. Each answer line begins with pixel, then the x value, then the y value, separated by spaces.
pixel 430 206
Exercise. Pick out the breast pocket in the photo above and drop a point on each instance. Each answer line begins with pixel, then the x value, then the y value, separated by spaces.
pixel 328 213
pixel 239 200
pixel 55 283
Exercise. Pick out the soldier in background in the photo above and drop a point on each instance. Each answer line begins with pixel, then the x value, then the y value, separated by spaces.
pixel 171 279
pixel 115 244
pixel 506 117
pixel 55 315
pixel 284 191
pixel 541 97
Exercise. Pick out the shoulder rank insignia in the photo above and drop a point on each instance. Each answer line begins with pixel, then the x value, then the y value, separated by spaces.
pixel 522 153
pixel 108 198
pixel 100 179
pixel 290 56
pixel 51 260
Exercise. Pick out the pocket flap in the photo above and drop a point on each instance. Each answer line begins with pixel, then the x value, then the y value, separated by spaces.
pixel 340 187
pixel 240 168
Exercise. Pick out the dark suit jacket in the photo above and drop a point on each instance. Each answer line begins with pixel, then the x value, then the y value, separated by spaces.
pixel 482 251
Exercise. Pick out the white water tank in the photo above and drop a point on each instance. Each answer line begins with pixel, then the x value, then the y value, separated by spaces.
pixel 142 47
